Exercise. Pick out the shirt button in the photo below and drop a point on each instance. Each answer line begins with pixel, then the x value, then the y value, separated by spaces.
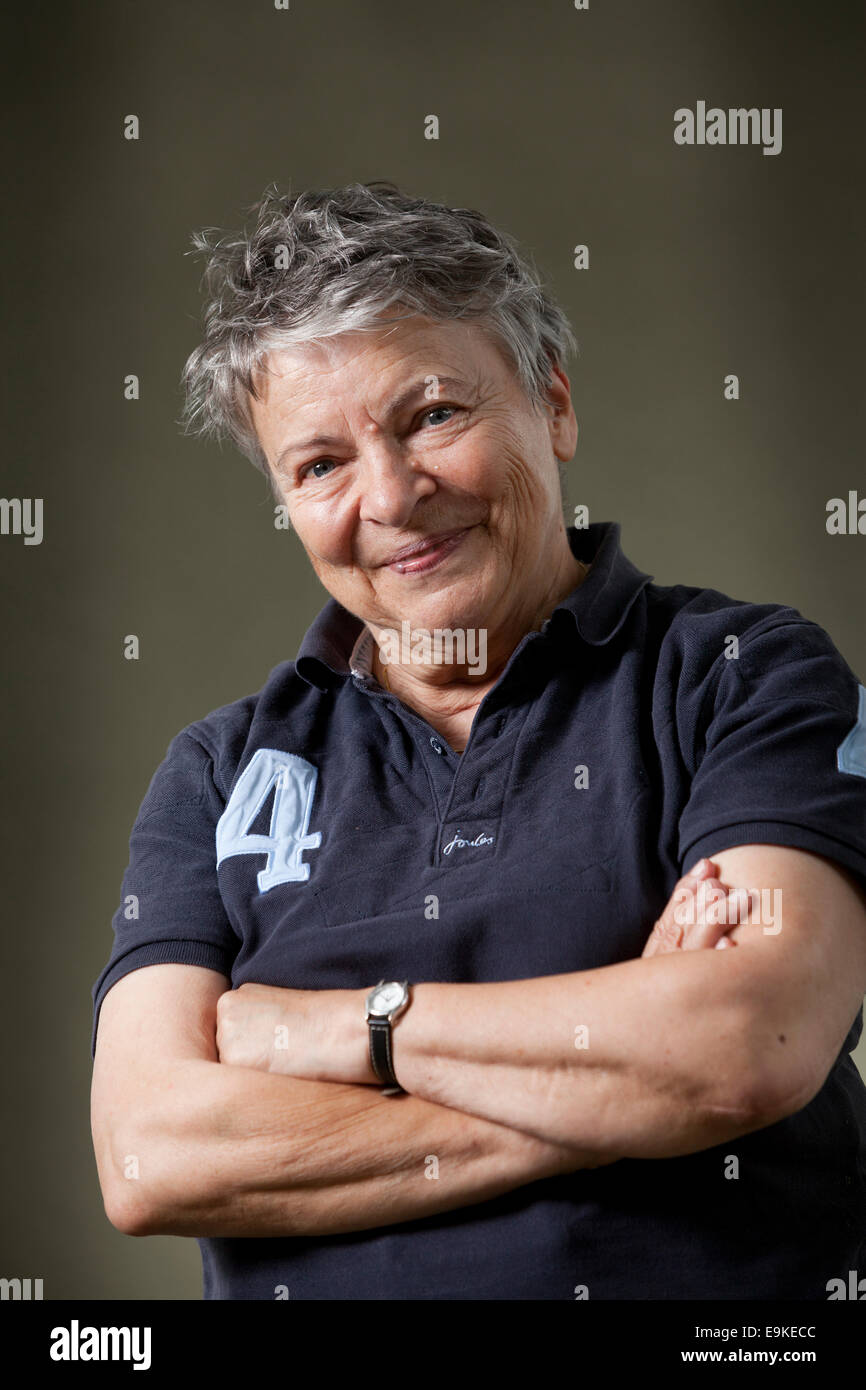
pixel 436 746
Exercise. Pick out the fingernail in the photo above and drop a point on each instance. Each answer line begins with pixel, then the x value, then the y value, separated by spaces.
pixel 698 868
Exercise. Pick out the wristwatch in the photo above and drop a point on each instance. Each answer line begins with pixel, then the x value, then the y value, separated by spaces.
pixel 385 1004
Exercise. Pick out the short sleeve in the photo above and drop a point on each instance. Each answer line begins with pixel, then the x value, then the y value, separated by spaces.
pixel 779 750
pixel 170 907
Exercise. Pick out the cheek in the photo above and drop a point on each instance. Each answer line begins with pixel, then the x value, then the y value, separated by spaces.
pixel 520 493
pixel 480 473
pixel 324 529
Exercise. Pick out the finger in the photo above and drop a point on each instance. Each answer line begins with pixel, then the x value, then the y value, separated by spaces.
pixel 740 903
pixel 711 901
pixel 712 920
pixel 680 911
pixel 704 868
pixel 665 936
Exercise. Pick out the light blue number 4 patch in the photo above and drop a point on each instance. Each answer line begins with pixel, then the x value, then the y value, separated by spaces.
pixel 851 754
pixel 294 782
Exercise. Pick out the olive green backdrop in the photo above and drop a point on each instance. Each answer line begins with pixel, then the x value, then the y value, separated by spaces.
pixel 559 125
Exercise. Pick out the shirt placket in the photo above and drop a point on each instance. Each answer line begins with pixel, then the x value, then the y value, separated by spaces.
pixel 460 832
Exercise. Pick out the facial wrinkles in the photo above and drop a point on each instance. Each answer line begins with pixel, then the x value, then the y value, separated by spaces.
pixel 331 392
pixel 523 498
pixel 441 505
pixel 366 421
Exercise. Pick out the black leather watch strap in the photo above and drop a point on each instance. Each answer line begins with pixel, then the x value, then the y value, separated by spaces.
pixel 381 1054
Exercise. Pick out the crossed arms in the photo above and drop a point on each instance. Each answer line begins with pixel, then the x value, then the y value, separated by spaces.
pixel 200 1128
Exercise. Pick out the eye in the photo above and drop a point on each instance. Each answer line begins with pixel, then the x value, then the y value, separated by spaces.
pixel 435 409
pixel 312 468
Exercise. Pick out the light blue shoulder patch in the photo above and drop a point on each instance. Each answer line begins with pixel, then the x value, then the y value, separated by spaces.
pixel 851 755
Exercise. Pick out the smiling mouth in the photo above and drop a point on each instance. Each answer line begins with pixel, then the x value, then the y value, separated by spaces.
pixel 427 554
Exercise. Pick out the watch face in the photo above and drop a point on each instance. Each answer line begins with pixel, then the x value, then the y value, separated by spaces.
pixel 386 997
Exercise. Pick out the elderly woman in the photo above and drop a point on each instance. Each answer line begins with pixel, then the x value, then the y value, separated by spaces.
pixel 419 957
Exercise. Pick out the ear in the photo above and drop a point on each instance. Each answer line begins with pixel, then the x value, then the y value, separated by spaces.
pixel 562 422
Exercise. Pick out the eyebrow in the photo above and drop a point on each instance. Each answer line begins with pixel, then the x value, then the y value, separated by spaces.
pixel 326 441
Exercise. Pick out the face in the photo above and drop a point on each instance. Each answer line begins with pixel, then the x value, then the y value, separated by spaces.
pixel 419 480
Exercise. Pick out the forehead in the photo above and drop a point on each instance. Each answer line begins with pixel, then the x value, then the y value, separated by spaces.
pixel 373 365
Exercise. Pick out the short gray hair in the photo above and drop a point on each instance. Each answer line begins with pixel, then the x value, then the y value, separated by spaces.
pixel 332 261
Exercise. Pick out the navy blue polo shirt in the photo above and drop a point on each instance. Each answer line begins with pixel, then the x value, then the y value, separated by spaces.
pixel 299 837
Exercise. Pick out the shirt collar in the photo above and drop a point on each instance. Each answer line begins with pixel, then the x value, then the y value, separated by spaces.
pixel 601 604
pixel 338 643
pixel 361 658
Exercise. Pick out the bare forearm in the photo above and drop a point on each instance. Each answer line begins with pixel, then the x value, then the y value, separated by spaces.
pixel 229 1151
pixel 651 1058
pixel 644 1059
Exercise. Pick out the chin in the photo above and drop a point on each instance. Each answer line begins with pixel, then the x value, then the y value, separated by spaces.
pixel 463 594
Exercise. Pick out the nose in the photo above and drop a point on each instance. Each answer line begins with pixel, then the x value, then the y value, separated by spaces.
pixel 391 485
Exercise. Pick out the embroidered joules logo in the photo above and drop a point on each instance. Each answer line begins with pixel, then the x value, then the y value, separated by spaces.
pixel 736 126
pixel 457 843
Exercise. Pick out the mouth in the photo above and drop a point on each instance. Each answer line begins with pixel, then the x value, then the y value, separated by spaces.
pixel 427 554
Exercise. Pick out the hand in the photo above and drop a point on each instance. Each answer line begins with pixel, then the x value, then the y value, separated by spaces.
pixel 700 913
pixel 317 1034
